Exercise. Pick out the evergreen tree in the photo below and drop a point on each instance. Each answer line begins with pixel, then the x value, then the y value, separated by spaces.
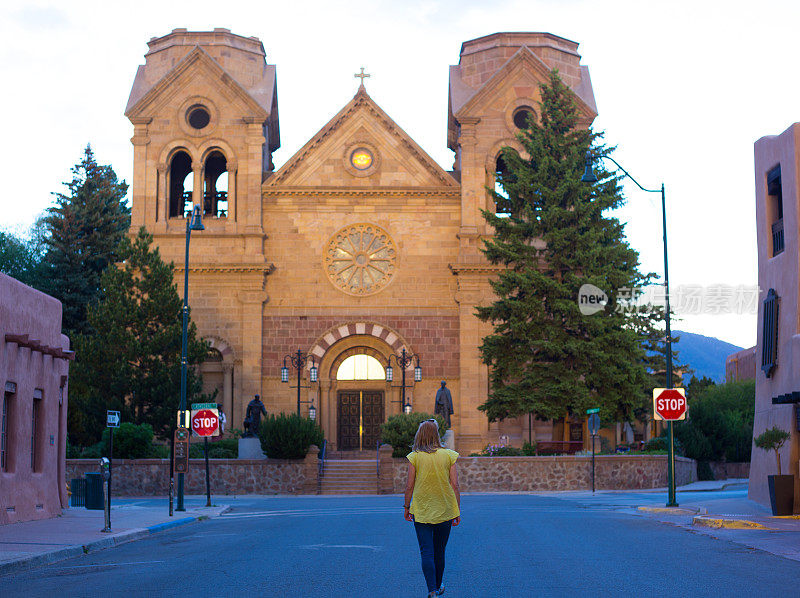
pixel 544 356
pixel 21 256
pixel 84 228
pixel 130 361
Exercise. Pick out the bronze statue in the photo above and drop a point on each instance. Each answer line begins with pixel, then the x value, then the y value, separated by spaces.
pixel 252 419
pixel 444 403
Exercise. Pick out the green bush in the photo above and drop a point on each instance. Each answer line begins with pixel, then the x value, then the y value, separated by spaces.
pixel 226 448
pixel 719 423
pixel 704 472
pixel 528 449
pixel 289 436
pixel 399 430
pixel 131 441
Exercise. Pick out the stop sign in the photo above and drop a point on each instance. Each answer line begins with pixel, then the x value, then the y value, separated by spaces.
pixel 205 422
pixel 669 404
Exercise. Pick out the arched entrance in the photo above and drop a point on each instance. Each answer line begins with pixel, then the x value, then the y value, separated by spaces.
pixel 355 398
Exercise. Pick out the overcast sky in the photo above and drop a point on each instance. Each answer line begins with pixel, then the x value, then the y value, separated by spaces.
pixel 683 89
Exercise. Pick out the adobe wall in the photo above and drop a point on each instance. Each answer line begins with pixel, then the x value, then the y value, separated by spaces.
pixel 27 491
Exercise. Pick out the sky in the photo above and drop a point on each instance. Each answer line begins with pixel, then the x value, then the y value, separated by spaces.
pixel 683 90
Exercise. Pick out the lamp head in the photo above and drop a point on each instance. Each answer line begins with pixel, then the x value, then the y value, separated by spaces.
pixel 588 173
pixel 197 219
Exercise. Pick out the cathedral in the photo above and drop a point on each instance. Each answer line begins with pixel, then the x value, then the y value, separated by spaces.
pixel 344 283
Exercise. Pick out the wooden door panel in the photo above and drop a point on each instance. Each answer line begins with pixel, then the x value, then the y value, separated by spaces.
pixel 372 414
pixel 348 420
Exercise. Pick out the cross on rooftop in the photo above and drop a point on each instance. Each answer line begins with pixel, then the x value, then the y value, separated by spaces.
pixel 362 75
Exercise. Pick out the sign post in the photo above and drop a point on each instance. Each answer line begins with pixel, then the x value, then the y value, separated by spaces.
pixel 669 404
pixel 205 423
pixel 594 428
pixel 112 421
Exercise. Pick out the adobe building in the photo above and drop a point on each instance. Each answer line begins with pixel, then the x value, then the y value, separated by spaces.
pixel 777 159
pixel 741 365
pixel 359 247
pixel 34 366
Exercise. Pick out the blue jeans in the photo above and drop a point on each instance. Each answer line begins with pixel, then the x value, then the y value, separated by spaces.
pixel 432 538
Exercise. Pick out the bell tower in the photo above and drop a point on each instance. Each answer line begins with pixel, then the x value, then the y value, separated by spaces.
pixel 494 90
pixel 204 109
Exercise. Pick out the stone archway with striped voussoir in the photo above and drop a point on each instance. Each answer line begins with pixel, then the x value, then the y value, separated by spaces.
pixel 336 345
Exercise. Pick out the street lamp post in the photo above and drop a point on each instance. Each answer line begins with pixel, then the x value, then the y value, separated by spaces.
pixel 403 361
pixel 589 177
pixel 298 361
pixel 194 222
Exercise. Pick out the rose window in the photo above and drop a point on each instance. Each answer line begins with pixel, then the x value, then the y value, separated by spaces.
pixel 360 259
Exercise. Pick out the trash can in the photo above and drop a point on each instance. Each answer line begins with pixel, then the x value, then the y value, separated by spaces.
pixel 94 491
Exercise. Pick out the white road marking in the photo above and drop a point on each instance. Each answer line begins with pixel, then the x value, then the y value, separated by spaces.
pixel 318 546
pixel 111 564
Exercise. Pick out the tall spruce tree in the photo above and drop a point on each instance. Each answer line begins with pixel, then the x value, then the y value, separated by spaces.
pixel 555 235
pixel 130 359
pixel 84 229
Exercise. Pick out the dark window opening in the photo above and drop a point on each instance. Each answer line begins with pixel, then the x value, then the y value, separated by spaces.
pixel 501 175
pixel 36 432
pixel 214 355
pixel 198 117
pixel 775 208
pixel 522 116
pixel 5 432
pixel 215 186
pixel 180 177
pixel 769 333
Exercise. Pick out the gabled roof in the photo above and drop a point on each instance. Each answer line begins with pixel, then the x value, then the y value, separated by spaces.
pixel 360 104
pixel 463 103
pixel 259 98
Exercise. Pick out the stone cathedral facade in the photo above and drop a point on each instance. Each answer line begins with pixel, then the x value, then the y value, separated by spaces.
pixel 359 247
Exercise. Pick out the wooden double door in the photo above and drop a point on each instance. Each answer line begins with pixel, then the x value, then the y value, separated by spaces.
pixel 359 415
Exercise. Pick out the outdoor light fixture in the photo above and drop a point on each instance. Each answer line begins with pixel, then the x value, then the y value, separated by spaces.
pixel 194 222
pixel 403 360
pixel 590 177
pixel 298 360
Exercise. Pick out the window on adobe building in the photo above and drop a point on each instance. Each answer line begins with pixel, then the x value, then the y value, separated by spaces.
pixel 215 185
pixel 522 116
pixel 37 425
pixel 198 117
pixel 6 431
pixel 775 208
pixel 181 181
pixel 769 333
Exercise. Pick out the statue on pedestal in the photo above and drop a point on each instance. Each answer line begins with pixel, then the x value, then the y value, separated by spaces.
pixel 252 418
pixel 444 403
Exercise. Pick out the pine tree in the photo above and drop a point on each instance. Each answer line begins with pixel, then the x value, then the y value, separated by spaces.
pixel 544 356
pixel 22 256
pixel 84 229
pixel 130 361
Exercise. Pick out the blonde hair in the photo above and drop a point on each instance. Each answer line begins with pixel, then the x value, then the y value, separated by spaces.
pixel 427 438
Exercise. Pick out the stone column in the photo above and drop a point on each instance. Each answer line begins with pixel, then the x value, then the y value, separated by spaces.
pixel 142 196
pixel 473 178
pixel 227 393
pixel 232 167
pixel 162 194
pixel 385 470
pixel 197 184
pixel 311 471
pixel 252 320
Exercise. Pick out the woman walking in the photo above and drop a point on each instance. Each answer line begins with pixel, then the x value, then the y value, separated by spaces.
pixel 432 500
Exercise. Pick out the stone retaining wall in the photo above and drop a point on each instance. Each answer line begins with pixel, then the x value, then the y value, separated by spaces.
pixel 727 471
pixel 520 474
pixel 150 477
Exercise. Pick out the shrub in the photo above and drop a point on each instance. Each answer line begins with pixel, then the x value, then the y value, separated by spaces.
pixel 719 424
pixel 225 448
pixel 528 449
pixel 704 472
pixel 399 430
pixel 131 441
pixel 500 450
pixel 289 436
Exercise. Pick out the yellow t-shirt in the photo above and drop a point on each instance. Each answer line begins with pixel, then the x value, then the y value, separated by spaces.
pixel 433 500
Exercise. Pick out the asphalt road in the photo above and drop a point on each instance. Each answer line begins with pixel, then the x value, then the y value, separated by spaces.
pixel 507 545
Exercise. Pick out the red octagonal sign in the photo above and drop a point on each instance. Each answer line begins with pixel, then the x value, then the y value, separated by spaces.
pixel 205 422
pixel 669 404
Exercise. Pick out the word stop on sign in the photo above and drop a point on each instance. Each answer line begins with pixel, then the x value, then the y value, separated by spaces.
pixel 669 404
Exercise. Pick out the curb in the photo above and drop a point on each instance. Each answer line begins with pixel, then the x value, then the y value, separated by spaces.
pixel 720 523
pixel 669 510
pixel 69 552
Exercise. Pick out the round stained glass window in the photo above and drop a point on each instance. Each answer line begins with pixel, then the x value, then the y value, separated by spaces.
pixel 198 117
pixel 360 259
pixel 361 159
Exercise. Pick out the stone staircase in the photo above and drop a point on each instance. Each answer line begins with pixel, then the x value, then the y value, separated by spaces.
pixel 349 476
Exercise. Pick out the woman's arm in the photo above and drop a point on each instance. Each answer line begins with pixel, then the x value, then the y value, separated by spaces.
pixel 412 475
pixel 454 484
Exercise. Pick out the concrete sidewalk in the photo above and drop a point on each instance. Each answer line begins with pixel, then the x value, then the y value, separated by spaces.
pixel 77 531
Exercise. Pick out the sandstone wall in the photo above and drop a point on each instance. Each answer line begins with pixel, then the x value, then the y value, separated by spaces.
pixel 534 474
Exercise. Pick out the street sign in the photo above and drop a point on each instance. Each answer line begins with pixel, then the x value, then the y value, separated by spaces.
pixel 197 406
pixel 669 404
pixel 595 410
pixel 112 419
pixel 594 424
pixel 205 422
pixel 181 454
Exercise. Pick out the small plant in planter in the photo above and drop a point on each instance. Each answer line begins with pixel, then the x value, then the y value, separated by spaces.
pixel 781 487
